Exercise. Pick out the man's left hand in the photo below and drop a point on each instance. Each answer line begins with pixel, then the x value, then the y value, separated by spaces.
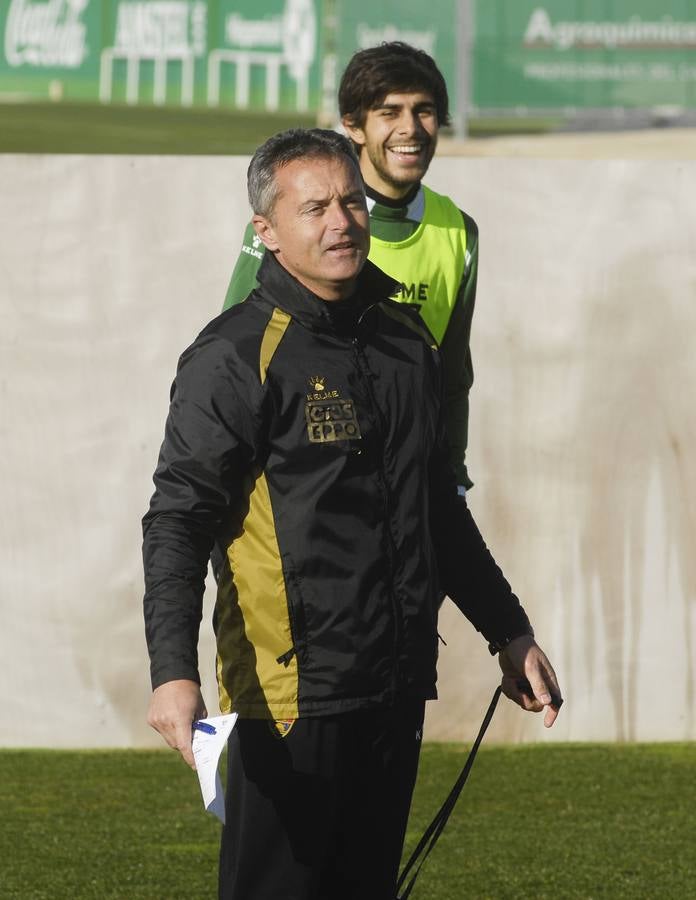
pixel 529 679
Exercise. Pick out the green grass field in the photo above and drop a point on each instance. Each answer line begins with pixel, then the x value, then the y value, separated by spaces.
pixel 44 127
pixel 91 128
pixel 558 821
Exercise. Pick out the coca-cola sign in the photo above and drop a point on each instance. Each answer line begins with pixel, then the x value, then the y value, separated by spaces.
pixel 50 34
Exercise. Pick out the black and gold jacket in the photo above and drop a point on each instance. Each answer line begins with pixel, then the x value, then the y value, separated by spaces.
pixel 304 450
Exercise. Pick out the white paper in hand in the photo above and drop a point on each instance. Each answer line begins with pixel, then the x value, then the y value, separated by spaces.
pixel 209 740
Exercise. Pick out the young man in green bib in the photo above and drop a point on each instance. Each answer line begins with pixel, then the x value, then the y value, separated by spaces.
pixel 393 101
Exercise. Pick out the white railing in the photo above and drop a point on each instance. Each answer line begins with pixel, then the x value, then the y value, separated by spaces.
pixel 133 60
pixel 243 60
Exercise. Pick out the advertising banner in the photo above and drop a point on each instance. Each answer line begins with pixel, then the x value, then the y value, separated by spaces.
pixel 579 53
pixel 288 55
pixel 50 48
pixel 215 52
pixel 154 51
pixel 265 56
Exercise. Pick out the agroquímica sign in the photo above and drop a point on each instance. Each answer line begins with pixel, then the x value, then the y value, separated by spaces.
pixel 627 53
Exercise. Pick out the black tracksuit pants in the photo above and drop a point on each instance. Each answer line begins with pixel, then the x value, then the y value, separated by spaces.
pixel 319 814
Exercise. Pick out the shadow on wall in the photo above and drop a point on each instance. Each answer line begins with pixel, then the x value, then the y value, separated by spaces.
pixel 583 420
pixel 637 425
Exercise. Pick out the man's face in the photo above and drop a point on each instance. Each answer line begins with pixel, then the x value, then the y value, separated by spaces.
pixel 319 227
pixel 397 141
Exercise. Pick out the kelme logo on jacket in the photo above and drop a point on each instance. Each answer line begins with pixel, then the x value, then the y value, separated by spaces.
pixel 329 417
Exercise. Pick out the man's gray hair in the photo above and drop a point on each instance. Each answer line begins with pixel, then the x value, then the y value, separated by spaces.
pixel 286 147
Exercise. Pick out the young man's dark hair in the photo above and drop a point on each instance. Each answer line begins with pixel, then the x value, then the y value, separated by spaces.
pixel 389 68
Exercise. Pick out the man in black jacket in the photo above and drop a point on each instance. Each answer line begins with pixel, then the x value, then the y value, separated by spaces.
pixel 305 452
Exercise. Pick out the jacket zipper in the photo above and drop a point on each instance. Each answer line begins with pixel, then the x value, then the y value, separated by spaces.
pixel 364 370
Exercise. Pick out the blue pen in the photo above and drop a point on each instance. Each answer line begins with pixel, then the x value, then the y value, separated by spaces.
pixel 203 726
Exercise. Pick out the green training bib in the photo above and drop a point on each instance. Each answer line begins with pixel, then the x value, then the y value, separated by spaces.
pixel 429 264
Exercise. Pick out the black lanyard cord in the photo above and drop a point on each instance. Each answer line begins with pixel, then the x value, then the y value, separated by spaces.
pixel 436 827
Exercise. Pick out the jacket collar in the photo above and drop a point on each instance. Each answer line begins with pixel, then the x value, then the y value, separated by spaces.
pixel 278 287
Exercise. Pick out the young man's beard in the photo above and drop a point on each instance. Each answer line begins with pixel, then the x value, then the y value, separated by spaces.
pixel 401 180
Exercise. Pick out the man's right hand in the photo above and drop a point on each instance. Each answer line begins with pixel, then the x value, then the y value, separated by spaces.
pixel 174 705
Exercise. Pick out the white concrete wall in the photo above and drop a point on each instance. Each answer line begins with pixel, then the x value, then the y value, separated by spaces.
pixel 582 430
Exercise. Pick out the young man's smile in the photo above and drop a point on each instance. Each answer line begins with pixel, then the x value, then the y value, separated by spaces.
pixel 397 141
